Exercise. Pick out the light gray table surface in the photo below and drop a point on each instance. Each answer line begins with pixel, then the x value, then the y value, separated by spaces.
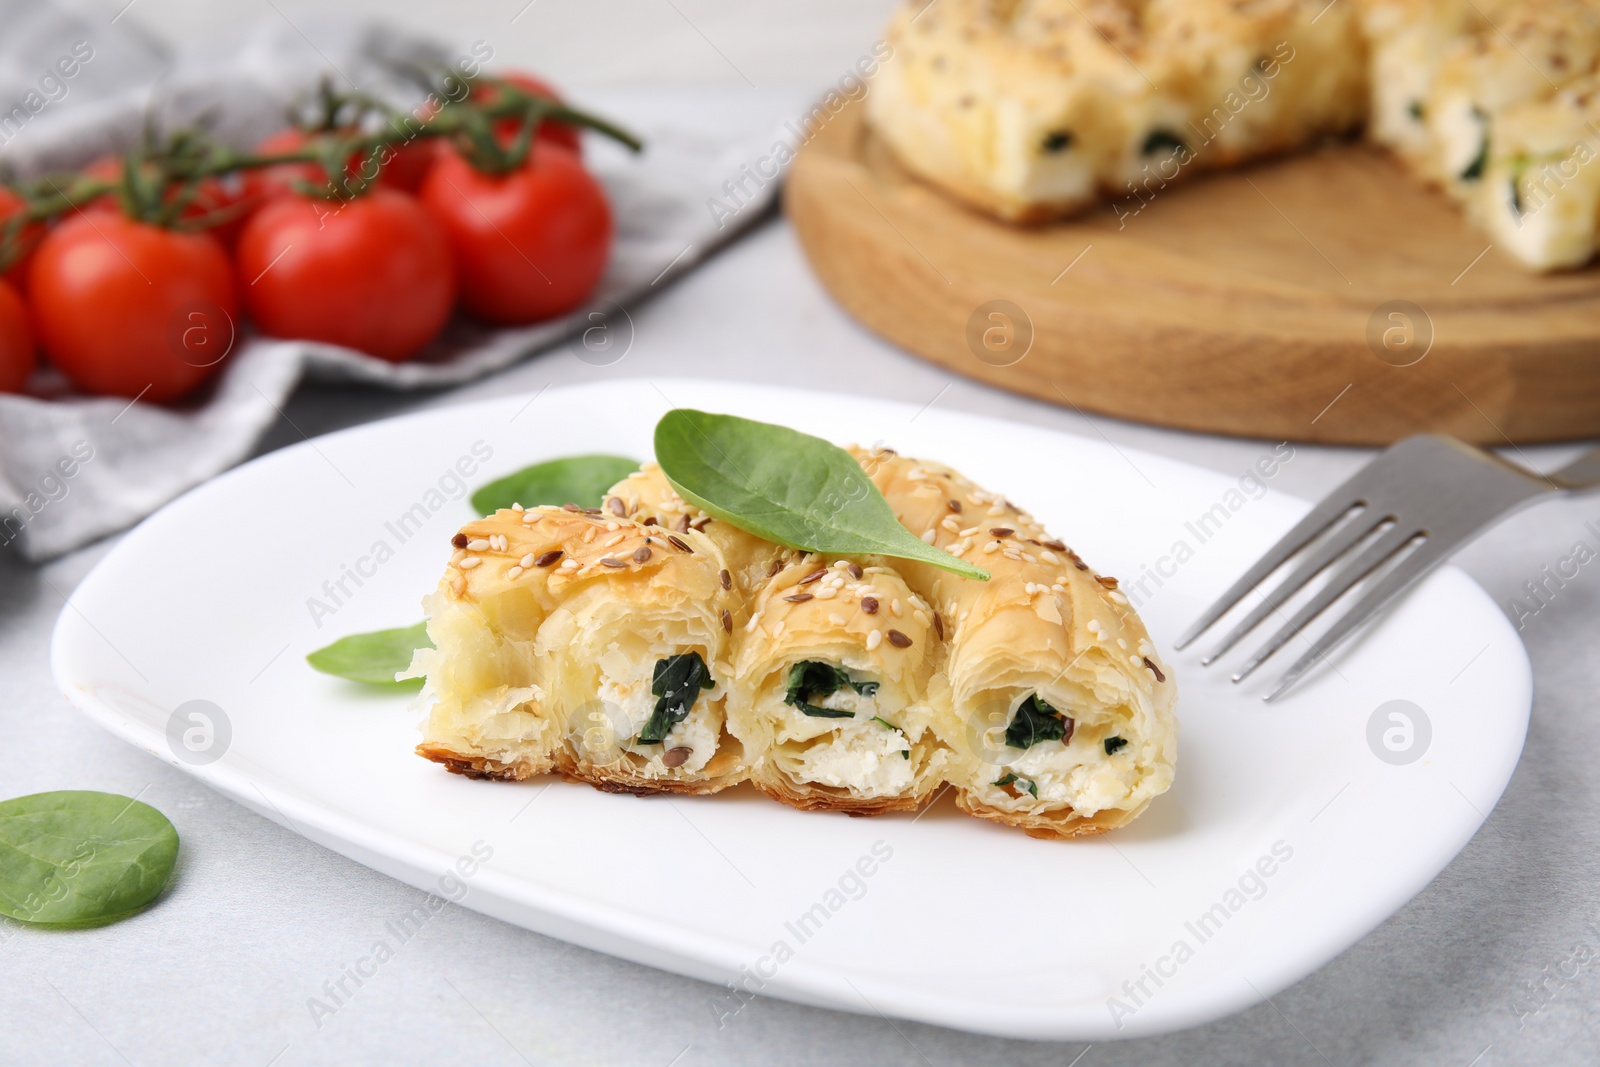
pixel 1477 971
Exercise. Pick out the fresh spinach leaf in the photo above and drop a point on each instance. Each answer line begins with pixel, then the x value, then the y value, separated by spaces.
pixel 1037 721
pixel 572 480
pixel 676 684
pixel 787 487
pixel 1115 745
pixel 76 858
pixel 811 680
pixel 374 657
pixel 1025 783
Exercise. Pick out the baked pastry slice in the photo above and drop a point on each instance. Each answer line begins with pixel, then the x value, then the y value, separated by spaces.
pixel 1060 713
pixel 1033 109
pixel 582 642
pixel 1497 103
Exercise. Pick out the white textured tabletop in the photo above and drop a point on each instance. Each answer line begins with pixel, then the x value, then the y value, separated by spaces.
pixel 1492 964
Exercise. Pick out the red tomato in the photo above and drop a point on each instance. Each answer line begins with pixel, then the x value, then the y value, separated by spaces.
pixel 373 273
pixel 217 202
pixel 130 309
pixel 10 204
pixel 550 132
pixel 16 341
pixel 528 245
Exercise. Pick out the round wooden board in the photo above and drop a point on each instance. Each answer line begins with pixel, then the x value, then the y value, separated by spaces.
pixel 1259 302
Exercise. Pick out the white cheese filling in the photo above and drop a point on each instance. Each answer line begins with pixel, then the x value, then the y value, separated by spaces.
pixel 857 753
pixel 627 705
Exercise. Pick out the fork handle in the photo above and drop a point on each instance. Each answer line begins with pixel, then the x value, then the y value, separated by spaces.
pixel 1581 474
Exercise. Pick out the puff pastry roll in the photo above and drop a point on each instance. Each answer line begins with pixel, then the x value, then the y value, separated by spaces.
pixel 582 642
pixel 832 686
pixel 1060 714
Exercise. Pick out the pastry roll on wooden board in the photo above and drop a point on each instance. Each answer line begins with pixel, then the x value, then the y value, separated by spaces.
pixel 832 688
pixel 1060 713
pixel 580 641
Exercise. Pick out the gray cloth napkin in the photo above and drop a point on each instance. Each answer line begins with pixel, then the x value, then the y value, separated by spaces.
pixel 73 469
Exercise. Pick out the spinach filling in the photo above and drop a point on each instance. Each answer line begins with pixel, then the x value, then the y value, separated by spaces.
pixel 1115 745
pixel 1037 721
pixel 1057 141
pixel 1162 141
pixel 676 685
pixel 1475 169
pixel 811 681
pixel 906 753
pixel 1020 783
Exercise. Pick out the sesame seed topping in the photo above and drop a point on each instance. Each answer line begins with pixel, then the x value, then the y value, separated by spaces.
pixel 869 604
pixel 725 578
pixel 894 606
pixel 992 546
pixel 1002 531
pixel 1148 662
pixel 727 620
pixel 530 517
pixel 612 526
pixel 799 598
pixel 1057 545
pixel 955 506
pixel 827 592
pixel 1049 556
pixel 588 535
pixel 855 571
pixel 1107 581
pixel 777 565
pixel 778 628
pixel 468 564
pixel 514 573
pixel 570 507
pixel 837 620
pixel 569 565
pixel 613 540
pixel 874 639
pixel 611 562
pixel 459 540
pixel 617 506
pixel 459 586
pixel 477 545
pixel 641 554
pixel 898 639
pixel 938 627
pixel 929 534
pixel 526 561
pixel 649 521
pixel 544 559
pixel 682 525
pixel 679 543
pixel 813 576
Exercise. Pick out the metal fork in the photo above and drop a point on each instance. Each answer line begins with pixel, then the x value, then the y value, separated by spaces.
pixel 1428 494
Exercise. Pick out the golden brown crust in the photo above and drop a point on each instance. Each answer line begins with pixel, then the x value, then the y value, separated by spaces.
pixel 478 767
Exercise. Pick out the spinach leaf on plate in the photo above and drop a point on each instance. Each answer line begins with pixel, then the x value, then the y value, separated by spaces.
pixel 374 657
pixel 787 487
pixel 579 480
pixel 76 858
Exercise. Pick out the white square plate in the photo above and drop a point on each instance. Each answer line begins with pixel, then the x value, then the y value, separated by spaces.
pixel 1285 839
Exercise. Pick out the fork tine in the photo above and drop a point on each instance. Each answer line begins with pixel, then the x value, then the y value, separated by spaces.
pixel 1335 545
pixel 1387 544
pixel 1410 571
pixel 1334 507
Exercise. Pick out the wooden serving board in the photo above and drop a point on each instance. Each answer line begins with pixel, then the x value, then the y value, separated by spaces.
pixel 1323 297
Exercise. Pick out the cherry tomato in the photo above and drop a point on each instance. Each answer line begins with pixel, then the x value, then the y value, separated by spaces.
pixel 550 132
pixel 10 204
pixel 129 309
pixel 403 167
pixel 528 245
pixel 217 202
pixel 16 341
pixel 373 273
